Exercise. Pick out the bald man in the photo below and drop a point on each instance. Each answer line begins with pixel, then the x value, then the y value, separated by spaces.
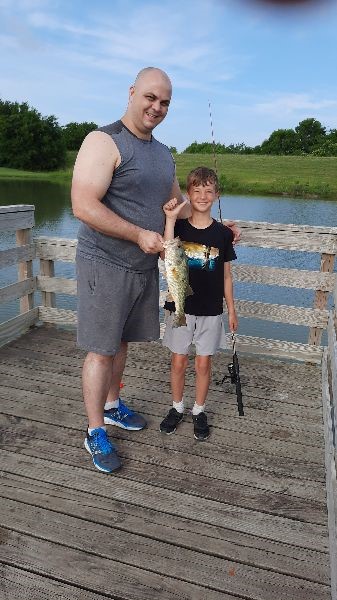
pixel 122 178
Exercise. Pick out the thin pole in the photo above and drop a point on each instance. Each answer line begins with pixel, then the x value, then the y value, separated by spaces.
pixel 214 157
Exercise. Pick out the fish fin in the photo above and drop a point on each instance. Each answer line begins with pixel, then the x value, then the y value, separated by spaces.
pixel 179 320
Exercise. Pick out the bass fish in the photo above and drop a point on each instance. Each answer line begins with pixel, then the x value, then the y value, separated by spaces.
pixel 176 266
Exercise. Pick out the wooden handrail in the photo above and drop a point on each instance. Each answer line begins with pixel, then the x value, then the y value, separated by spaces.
pixel 322 240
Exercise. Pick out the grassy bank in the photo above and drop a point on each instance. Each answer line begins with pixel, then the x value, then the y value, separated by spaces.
pixel 304 176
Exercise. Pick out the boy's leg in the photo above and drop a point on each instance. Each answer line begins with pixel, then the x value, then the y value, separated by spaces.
pixel 179 364
pixel 175 415
pixel 203 376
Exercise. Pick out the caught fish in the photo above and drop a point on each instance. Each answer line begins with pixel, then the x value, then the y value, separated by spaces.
pixel 176 265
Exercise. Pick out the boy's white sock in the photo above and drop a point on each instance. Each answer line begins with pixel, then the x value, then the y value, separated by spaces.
pixel 109 405
pixel 179 406
pixel 91 429
pixel 197 409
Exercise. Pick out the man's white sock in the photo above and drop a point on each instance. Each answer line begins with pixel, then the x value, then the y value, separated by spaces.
pixel 91 429
pixel 109 405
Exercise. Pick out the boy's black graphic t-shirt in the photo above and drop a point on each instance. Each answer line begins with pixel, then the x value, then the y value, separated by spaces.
pixel 207 251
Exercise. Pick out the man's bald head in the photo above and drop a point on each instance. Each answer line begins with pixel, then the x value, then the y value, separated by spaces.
pixel 152 71
pixel 149 100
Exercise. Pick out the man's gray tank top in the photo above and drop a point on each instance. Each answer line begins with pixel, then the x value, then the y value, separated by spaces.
pixel 140 186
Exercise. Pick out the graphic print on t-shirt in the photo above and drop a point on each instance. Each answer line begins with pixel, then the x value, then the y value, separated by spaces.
pixel 201 257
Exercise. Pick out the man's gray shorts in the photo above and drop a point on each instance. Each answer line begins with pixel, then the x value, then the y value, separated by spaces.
pixel 206 333
pixel 115 305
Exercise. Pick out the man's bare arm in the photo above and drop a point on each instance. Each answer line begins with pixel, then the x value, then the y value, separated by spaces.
pixel 96 162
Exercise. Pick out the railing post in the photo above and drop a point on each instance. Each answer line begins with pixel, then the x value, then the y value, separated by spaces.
pixel 25 268
pixel 47 269
pixel 321 298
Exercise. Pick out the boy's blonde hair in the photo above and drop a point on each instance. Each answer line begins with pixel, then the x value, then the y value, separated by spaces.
pixel 202 176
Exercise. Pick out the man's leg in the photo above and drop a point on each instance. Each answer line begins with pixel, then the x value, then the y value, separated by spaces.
pixel 115 411
pixel 97 375
pixel 118 366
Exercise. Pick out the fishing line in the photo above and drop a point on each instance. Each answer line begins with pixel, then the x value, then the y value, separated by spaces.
pixel 214 157
pixel 233 367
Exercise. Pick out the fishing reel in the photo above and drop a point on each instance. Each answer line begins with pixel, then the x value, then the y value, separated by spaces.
pixel 231 375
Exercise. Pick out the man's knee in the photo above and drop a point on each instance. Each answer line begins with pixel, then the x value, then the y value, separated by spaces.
pixel 93 358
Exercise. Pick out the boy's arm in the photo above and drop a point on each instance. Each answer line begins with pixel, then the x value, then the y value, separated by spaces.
pixel 171 209
pixel 229 297
pixel 186 212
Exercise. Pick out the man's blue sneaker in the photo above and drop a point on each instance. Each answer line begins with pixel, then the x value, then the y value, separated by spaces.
pixel 124 417
pixel 103 452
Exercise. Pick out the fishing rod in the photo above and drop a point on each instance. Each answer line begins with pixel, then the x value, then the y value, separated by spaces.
pixel 234 374
pixel 214 158
pixel 233 367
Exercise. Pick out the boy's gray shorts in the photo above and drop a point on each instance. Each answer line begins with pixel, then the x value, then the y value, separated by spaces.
pixel 115 305
pixel 207 333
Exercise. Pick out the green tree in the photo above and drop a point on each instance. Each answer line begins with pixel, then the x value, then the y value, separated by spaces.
pixel 173 150
pixel 28 140
pixel 310 135
pixel 281 141
pixel 328 148
pixel 74 133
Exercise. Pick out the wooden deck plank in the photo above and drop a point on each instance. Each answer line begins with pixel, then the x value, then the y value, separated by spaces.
pixel 287 428
pixel 23 432
pixel 161 558
pixel 17 584
pixel 241 516
pixel 213 479
pixel 210 539
pixel 223 399
pixel 100 574
pixel 217 512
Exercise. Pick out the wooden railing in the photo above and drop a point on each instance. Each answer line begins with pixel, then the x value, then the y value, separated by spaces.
pixel 321 240
pixel 19 219
pixel 329 398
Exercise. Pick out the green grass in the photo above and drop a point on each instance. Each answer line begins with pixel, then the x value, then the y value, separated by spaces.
pixel 303 176
pixel 60 176
pixel 306 176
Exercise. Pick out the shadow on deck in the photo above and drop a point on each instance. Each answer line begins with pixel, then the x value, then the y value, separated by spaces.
pixel 242 515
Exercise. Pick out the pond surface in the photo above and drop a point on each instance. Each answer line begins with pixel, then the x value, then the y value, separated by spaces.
pixel 53 217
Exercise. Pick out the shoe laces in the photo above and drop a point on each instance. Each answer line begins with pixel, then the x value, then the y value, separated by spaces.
pixel 172 417
pixel 123 411
pixel 101 443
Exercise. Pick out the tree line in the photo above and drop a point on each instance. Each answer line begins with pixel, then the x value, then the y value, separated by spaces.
pixel 34 142
pixel 309 137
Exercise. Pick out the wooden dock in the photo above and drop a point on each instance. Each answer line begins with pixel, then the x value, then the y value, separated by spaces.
pixel 242 515
pixel 249 514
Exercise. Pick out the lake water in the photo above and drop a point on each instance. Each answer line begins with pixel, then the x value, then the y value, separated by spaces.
pixel 53 217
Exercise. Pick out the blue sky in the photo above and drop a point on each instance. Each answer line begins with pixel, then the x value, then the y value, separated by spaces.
pixel 262 68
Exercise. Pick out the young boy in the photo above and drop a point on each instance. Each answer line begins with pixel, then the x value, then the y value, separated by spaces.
pixel 208 245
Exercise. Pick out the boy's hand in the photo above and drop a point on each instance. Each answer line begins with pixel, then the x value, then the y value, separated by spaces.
pixel 232 321
pixel 172 208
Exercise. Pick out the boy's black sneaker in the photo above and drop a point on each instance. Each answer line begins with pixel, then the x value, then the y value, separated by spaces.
pixel 172 419
pixel 201 427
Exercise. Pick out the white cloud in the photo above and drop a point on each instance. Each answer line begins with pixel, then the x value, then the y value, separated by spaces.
pixel 291 103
